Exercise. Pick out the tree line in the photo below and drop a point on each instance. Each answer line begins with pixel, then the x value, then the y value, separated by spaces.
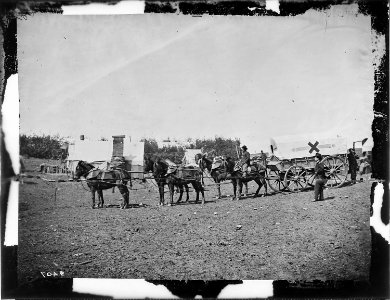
pixel 50 147
pixel 213 147
pixel 44 146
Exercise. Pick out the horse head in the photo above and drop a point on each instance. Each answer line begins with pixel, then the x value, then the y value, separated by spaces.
pixel 160 168
pixel 203 162
pixel 148 165
pixel 230 165
pixel 82 169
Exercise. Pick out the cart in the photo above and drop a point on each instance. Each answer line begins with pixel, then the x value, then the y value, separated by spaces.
pixel 296 173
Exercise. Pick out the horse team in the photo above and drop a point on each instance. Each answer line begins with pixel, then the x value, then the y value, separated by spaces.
pixel 173 176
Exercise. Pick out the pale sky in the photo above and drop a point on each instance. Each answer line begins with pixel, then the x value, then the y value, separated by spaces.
pixel 178 76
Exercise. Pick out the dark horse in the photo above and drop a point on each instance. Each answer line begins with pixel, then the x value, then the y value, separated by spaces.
pixel 99 180
pixel 160 170
pixel 256 174
pixel 227 172
pixel 180 177
pixel 218 174
pixel 185 175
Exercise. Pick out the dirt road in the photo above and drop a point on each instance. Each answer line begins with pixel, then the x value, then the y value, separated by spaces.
pixel 282 236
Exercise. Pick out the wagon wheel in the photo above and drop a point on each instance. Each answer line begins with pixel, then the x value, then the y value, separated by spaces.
pixel 275 181
pixel 335 171
pixel 310 177
pixel 295 178
pixel 310 180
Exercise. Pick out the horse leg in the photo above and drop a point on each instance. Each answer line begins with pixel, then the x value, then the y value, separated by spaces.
pixel 234 188
pixel 93 191
pixel 246 188
pixel 239 183
pixel 161 192
pixel 181 193
pixel 187 192
pixel 258 188
pixel 101 200
pixel 126 196
pixel 200 187
pixel 194 185
pixel 265 186
pixel 219 189
pixel 171 192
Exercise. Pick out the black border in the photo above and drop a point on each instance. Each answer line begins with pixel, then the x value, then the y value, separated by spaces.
pixel 377 287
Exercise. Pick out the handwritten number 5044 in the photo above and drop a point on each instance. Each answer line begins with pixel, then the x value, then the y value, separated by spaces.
pixel 52 274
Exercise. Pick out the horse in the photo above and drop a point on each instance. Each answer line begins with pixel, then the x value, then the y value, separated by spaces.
pixel 99 180
pixel 218 174
pixel 185 175
pixel 257 174
pixel 159 170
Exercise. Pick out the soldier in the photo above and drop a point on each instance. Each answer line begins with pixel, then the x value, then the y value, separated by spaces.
pixel 320 178
pixel 245 160
pixel 352 164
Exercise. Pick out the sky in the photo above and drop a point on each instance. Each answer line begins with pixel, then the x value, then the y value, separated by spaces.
pixel 177 76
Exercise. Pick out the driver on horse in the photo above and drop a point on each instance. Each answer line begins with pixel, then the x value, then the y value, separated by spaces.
pixel 245 160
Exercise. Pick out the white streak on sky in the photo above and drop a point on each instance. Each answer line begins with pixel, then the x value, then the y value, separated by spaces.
pixel 121 8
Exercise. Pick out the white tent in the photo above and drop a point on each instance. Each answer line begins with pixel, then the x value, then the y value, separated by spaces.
pixel 94 152
pixel 133 152
pixel 189 156
pixel 90 151
pixel 298 146
pixel 99 153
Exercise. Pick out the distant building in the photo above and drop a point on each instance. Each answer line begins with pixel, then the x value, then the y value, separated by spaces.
pixel 172 143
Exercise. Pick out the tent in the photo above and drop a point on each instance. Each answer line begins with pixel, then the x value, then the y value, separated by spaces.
pixel 189 156
pixel 99 153
pixel 299 146
pixel 133 152
pixel 94 152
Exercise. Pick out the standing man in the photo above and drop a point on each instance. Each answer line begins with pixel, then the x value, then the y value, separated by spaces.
pixel 352 162
pixel 245 160
pixel 320 178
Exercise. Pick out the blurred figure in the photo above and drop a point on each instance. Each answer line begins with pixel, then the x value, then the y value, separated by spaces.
pixel 320 178
pixel 364 166
pixel 353 165
pixel 245 160
pixel 263 158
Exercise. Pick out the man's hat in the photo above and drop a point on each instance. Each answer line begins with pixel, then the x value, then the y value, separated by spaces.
pixel 244 147
pixel 318 155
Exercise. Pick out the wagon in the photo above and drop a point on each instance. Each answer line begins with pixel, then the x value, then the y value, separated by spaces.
pixel 295 172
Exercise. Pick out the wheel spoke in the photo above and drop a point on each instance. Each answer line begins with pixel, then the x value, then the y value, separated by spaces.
pixel 329 165
pixel 291 182
pixel 338 178
pixel 338 167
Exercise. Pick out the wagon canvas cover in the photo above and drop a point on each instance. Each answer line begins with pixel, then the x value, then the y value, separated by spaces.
pixel 298 146
pixel 189 156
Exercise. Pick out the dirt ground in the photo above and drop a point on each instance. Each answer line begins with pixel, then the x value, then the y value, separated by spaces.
pixel 282 236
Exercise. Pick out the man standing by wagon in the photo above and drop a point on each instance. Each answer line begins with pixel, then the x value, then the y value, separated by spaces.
pixel 320 178
pixel 353 165
pixel 245 160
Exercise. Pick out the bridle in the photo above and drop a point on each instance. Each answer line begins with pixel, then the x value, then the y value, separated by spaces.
pixel 84 165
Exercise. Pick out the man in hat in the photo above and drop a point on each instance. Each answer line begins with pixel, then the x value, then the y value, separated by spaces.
pixel 245 160
pixel 353 165
pixel 320 178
